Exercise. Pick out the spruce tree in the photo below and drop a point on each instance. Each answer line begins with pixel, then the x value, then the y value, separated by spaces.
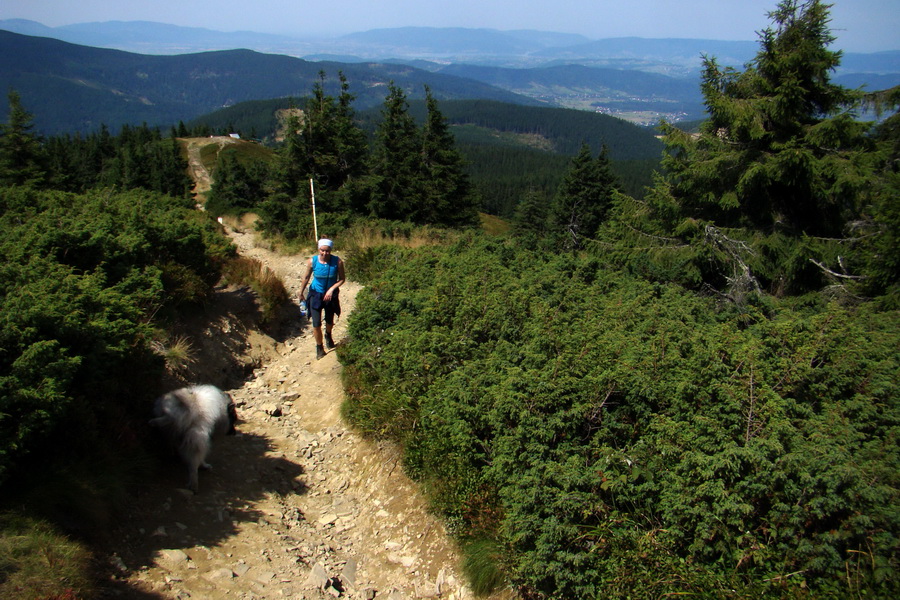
pixel 529 222
pixel 397 189
pixel 292 172
pixel 284 211
pixel 335 147
pixel 236 187
pixel 21 159
pixel 319 137
pixel 584 197
pixel 447 193
pixel 779 147
pixel 352 145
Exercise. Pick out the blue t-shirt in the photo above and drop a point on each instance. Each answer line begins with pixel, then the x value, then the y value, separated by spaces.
pixel 324 275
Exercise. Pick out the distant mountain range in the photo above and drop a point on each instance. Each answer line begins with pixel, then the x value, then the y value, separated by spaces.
pixel 75 77
pixel 445 45
pixel 72 88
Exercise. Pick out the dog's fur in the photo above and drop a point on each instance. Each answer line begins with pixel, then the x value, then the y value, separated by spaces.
pixel 190 418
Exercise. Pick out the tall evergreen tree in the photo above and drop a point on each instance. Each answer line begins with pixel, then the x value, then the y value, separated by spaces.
pixel 282 213
pixel 778 148
pixel 447 193
pixel 397 189
pixel 335 147
pixel 21 159
pixel 292 173
pixel 236 187
pixel 769 195
pixel 584 197
pixel 529 222
pixel 352 145
pixel 319 137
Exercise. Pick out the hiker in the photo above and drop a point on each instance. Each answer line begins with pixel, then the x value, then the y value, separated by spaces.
pixel 327 272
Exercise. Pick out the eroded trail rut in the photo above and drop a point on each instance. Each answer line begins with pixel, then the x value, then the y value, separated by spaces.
pixel 297 505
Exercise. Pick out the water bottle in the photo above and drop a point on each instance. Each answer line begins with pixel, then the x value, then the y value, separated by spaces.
pixel 303 311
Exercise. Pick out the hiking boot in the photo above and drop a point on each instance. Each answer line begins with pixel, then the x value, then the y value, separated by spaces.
pixel 329 343
pixel 320 352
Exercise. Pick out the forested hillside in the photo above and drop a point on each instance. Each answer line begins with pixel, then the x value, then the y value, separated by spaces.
pixel 73 88
pixel 509 149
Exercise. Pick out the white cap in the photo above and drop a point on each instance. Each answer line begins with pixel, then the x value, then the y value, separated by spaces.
pixel 326 242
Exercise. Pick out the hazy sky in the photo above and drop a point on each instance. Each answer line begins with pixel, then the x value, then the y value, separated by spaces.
pixel 859 25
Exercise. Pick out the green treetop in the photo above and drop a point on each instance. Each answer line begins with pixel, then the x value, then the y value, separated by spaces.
pixel 20 151
pixel 583 197
pixel 780 144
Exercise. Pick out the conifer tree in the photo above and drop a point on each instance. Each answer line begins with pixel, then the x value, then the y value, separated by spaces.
pixel 584 197
pixel 529 222
pixel 778 148
pixel 319 137
pixel 447 193
pixel 397 189
pixel 236 187
pixel 352 145
pixel 282 211
pixel 292 168
pixel 21 160
pixel 335 146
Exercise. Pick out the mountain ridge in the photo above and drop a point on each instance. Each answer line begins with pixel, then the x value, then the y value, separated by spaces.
pixel 636 79
pixel 160 38
pixel 115 87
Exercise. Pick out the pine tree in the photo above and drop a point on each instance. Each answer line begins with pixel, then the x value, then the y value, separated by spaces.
pixel 448 197
pixel 584 197
pixel 397 190
pixel 21 159
pixel 778 148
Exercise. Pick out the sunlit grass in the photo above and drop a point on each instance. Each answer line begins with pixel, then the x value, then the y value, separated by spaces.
pixel 269 288
pixel 178 353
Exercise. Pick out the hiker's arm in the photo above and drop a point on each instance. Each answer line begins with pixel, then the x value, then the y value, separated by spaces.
pixel 338 283
pixel 302 293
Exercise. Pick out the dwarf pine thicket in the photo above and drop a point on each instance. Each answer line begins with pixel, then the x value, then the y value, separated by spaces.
pixel 694 392
pixel 612 436
pixel 704 399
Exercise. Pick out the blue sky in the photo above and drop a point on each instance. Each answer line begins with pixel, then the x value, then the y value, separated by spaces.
pixel 859 25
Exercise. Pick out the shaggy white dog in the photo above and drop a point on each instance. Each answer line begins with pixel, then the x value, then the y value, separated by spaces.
pixel 190 418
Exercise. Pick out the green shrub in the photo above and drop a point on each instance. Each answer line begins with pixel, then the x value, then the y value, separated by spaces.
pixel 85 282
pixel 623 438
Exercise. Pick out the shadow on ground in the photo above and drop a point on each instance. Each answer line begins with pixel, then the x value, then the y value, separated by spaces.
pixel 165 516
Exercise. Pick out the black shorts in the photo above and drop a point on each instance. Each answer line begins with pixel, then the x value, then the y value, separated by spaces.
pixel 317 306
pixel 316 315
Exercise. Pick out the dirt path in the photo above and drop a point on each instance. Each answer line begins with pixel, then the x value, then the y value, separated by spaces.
pixel 199 173
pixel 297 505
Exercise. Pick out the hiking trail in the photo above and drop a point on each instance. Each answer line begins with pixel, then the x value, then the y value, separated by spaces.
pixel 297 505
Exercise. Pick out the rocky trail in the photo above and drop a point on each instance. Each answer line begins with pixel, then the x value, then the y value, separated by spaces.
pixel 297 505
